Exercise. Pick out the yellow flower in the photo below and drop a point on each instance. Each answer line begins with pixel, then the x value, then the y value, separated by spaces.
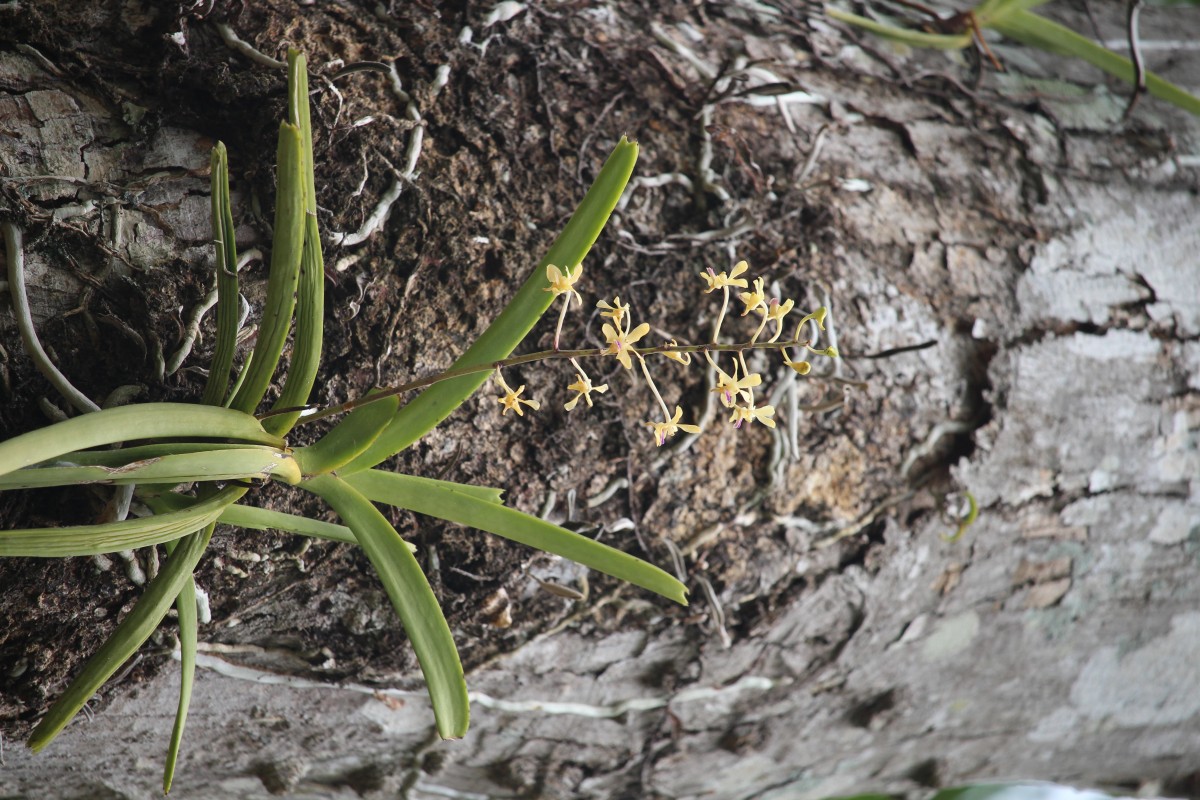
pixel 682 358
pixel 729 387
pixel 584 387
pixel 564 282
pixel 777 311
pixel 665 430
pixel 718 281
pixel 801 367
pixel 512 400
pixel 615 312
pixel 620 343
pixel 756 299
pixel 763 414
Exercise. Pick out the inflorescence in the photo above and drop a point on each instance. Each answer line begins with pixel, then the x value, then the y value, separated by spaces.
pixel 734 388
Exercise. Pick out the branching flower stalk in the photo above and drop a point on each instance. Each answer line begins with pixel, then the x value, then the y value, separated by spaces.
pixel 736 390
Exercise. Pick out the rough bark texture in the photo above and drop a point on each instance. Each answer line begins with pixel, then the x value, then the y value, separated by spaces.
pixel 836 642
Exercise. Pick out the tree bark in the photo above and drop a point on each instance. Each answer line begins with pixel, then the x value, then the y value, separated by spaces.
pixel 839 639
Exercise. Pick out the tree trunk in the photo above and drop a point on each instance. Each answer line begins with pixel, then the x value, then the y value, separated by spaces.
pixel 839 638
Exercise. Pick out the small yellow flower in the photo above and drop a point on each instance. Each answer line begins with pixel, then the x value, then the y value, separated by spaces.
pixel 620 343
pixel 615 312
pixel 756 299
pixel 729 387
pixel 512 400
pixel 584 387
pixel 801 367
pixel 665 430
pixel 563 282
pixel 718 281
pixel 776 311
pixel 762 413
pixel 682 358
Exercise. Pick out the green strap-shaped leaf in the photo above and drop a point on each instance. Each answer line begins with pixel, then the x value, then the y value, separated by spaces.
pixel 129 423
pixel 450 502
pixel 185 604
pixel 412 598
pixel 286 249
pixel 109 537
pixel 310 294
pixel 217 386
pixel 348 439
pixel 436 403
pixel 1037 31
pixel 126 639
pixel 210 465
pixel 990 11
pixel 262 519
pixel 938 41
pixel 143 452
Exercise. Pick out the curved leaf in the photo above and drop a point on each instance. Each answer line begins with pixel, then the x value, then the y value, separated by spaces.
pixel 130 423
pixel 286 250
pixel 1037 31
pixel 185 604
pixel 217 384
pixel 412 598
pixel 126 639
pixel 244 463
pixel 938 41
pixel 449 502
pixel 310 293
pixel 86 540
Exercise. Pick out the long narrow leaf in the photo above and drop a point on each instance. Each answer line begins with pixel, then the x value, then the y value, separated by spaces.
pixel 990 11
pixel 185 604
pixel 436 403
pixel 210 465
pixel 126 639
pixel 939 41
pixel 262 519
pixel 412 598
pixel 110 537
pixel 1037 31
pixel 310 293
pixel 286 250
pixel 449 502
pixel 143 452
pixel 217 385
pixel 259 519
pixel 129 423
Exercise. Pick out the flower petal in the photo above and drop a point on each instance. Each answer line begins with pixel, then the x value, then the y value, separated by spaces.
pixel 637 333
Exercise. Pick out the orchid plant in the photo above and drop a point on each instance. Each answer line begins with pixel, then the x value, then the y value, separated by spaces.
pixel 189 466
